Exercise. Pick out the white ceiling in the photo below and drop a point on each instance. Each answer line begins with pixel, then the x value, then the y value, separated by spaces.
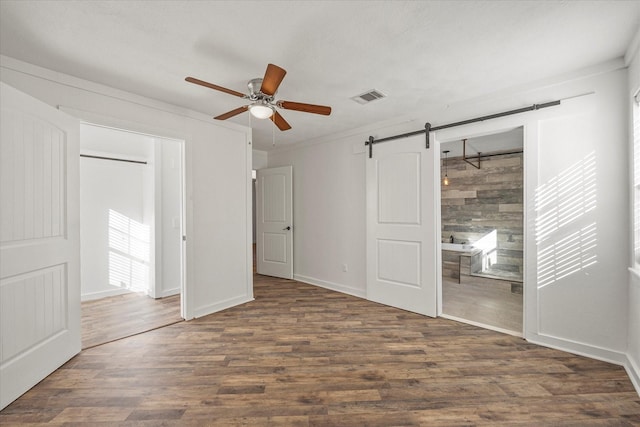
pixel 512 140
pixel 419 53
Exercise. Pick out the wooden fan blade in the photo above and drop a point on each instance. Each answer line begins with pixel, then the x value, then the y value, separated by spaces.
pixel 307 108
pixel 279 121
pixel 272 79
pixel 232 113
pixel 215 87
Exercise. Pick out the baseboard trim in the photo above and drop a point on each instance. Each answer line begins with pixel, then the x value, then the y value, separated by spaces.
pixel 169 293
pixel 592 352
pixel 580 349
pixel 103 294
pixel 633 370
pixel 222 305
pixel 360 293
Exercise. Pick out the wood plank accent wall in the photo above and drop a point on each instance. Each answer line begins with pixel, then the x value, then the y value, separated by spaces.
pixel 477 201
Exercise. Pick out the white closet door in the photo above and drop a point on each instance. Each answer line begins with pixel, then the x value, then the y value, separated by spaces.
pixel 401 225
pixel 39 242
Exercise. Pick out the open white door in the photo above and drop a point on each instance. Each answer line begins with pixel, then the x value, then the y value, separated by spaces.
pixel 401 225
pixel 39 242
pixel 274 214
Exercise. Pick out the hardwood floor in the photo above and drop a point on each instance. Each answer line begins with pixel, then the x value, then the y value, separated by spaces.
pixel 120 316
pixel 483 303
pixel 304 356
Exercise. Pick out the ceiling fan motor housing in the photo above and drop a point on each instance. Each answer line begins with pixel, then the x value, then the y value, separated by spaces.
pixel 255 94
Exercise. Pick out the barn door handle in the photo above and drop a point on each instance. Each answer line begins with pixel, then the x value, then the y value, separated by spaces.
pixel 288 227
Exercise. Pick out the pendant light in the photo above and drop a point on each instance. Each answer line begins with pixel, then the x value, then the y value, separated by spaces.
pixel 445 181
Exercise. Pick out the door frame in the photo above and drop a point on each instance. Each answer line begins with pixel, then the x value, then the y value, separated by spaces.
pixel 288 223
pixel 473 131
pixel 528 122
pixel 92 119
pixel 531 122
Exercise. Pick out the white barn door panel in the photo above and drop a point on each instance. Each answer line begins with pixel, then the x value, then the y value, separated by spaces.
pixel 401 225
pixel 39 242
pixel 274 222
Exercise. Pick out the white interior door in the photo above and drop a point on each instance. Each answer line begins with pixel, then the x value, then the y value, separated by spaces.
pixel 39 242
pixel 401 225
pixel 274 222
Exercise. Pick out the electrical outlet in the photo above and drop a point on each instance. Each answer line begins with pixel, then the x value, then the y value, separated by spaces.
pixel 345 267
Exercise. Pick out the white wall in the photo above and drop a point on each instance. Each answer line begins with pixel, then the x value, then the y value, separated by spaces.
pixel 586 312
pixel 633 351
pixel 107 185
pixel 259 162
pixel 581 305
pixel 218 170
pixel 149 194
pixel 259 159
pixel 168 161
pixel 328 214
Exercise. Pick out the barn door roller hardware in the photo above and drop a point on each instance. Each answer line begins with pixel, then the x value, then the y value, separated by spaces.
pixel 371 141
pixel 428 128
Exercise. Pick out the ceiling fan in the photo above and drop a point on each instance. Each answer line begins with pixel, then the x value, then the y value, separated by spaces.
pixel 262 96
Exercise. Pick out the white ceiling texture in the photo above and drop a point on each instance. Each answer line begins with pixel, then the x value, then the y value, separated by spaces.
pixel 419 53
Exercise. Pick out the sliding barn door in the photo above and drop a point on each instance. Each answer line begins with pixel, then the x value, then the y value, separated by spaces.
pixel 274 222
pixel 39 242
pixel 401 225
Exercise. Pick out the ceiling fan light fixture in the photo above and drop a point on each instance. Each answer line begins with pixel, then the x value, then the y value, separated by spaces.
pixel 261 96
pixel 261 110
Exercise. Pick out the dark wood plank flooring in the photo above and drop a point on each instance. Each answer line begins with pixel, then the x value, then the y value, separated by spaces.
pixel 112 318
pixel 303 355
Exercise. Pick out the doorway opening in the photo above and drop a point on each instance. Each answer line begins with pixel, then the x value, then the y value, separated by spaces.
pixel 254 175
pixel 482 230
pixel 131 228
pixel 274 222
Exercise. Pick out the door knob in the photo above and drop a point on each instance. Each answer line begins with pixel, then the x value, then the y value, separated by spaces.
pixel 287 228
